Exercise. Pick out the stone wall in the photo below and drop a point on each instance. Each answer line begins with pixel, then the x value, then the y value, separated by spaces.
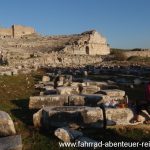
pixel 55 59
pixel 144 53
pixel 16 31
pixel 19 30
pixel 5 32
pixel 89 43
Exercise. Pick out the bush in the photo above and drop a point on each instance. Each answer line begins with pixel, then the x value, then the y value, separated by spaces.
pixel 118 54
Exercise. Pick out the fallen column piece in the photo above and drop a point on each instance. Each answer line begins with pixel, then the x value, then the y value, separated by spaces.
pixel 11 143
pixel 6 125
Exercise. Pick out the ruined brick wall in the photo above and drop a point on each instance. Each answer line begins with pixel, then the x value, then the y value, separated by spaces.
pixel 19 30
pixel 16 31
pixel 90 43
pixel 5 32
pixel 55 59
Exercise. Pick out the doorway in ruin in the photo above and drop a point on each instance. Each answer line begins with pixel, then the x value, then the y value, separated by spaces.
pixel 59 59
pixel 87 50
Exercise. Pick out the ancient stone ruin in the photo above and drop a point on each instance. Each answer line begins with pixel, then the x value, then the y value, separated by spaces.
pixel 89 43
pixel 22 48
pixel 16 31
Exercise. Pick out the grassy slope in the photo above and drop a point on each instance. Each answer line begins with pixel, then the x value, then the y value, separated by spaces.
pixel 14 96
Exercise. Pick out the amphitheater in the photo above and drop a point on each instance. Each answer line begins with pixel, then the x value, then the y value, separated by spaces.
pixel 37 50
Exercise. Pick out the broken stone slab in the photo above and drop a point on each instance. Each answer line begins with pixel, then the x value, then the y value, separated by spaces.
pixel 90 89
pixel 113 92
pixel 76 100
pixel 45 78
pixel 8 73
pixel 67 135
pixel 65 115
pixel 95 99
pixel 60 83
pixel 76 84
pixel 100 84
pixel 87 99
pixel 67 90
pixel 78 80
pixel 119 116
pixel 6 125
pixel 11 143
pixel 37 102
pixel 48 87
pixel 37 119
pixel 50 83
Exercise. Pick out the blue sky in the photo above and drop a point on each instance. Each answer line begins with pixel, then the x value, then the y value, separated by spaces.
pixel 125 23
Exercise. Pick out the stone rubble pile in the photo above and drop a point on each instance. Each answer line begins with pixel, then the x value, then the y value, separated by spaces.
pixel 78 102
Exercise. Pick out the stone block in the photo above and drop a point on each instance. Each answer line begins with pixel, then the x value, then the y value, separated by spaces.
pixel 6 125
pixel 88 99
pixel 37 102
pixel 90 89
pixel 76 100
pixel 119 116
pixel 65 115
pixel 11 143
pixel 67 135
pixel 67 90
pixel 99 84
pixel 95 99
pixel 45 78
pixel 113 92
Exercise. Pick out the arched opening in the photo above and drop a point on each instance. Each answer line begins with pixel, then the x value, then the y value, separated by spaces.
pixel 85 42
pixel 87 50
pixel 59 59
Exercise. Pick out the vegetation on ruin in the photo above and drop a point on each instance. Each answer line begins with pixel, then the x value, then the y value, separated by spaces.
pixel 118 54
